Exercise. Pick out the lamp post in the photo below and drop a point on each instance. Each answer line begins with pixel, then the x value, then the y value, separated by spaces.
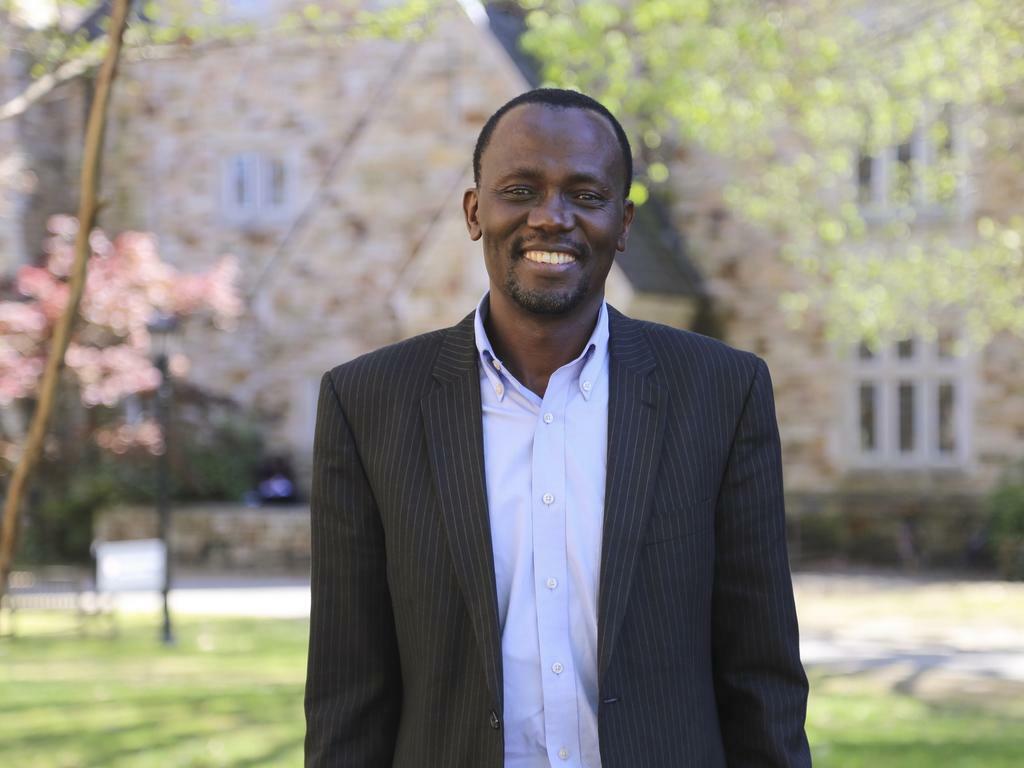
pixel 161 329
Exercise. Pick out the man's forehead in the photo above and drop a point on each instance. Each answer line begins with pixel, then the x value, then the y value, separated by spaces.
pixel 544 130
pixel 570 121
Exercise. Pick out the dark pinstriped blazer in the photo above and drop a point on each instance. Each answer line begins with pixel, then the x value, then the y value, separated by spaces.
pixel 697 635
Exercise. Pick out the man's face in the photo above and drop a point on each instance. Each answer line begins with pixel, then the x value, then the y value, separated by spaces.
pixel 550 207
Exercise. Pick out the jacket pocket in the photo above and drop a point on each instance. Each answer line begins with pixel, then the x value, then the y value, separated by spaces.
pixel 682 521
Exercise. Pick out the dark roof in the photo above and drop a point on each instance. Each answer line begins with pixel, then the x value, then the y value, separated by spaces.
pixel 656 260
pixel 508 22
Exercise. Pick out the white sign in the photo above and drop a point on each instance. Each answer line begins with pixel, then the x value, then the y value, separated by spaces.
pixel 129 566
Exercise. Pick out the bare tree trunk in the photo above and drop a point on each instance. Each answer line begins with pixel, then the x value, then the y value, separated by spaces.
pixel 87 209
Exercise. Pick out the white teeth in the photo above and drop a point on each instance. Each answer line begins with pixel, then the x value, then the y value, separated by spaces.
pixel 549 257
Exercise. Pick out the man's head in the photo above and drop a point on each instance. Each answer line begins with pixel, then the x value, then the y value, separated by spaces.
pixel 552 171
pixel 557 98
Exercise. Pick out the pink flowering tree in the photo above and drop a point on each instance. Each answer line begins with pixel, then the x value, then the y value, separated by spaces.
pixel 109 356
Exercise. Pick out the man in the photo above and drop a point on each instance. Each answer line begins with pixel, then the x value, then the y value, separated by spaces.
pixel 551 535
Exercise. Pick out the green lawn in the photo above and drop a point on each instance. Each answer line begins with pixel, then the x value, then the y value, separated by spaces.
pixel 230 694
pixel 861 723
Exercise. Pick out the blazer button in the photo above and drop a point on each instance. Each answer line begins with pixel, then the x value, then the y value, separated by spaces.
pixel 495 722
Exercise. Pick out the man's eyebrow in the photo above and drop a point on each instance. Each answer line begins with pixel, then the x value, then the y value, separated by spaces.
pixel 521 172
pixel 581 177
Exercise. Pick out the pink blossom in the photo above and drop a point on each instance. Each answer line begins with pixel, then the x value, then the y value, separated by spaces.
pixel 120 439
pixel 127 284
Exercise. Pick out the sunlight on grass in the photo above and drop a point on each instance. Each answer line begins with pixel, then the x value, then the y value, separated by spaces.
pixel 230 694
pixel 858 723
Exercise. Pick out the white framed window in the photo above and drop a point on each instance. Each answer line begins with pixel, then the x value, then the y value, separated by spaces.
pixel 925 173
pixel 255 187
pixel 909 405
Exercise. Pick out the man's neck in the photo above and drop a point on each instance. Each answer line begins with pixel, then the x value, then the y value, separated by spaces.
pixel 533 346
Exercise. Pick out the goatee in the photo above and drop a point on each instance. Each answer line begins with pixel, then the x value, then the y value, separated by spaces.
pixel 551 302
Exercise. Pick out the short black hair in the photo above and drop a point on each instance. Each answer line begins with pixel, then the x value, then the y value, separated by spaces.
pixel 556 98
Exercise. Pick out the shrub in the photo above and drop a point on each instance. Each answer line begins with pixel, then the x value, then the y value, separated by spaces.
pixel 1006 508
pixel 214 453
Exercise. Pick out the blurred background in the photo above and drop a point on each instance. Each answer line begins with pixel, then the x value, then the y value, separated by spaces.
pixel 835 186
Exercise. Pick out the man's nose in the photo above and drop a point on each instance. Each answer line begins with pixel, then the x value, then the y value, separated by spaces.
pixel 551 213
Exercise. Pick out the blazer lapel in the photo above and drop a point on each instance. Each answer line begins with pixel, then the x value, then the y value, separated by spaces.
pixel 454 431
pixel 636 421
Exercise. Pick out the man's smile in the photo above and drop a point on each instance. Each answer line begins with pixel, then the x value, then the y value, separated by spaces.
pixel 549 257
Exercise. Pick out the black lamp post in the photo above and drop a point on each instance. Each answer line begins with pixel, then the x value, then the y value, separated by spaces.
pixel 161 329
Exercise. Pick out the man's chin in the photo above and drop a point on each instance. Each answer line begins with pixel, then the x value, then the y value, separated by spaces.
pixel 549 303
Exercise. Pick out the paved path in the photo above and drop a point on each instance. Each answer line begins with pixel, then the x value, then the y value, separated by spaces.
pixel 912 630
pixel 850 624
pixel 218 596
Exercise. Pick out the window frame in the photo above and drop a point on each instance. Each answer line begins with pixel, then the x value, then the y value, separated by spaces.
pixel 877 205
pixel 927 371
pixel 259 206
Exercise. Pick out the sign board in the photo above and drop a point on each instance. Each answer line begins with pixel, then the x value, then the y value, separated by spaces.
pixel 130 566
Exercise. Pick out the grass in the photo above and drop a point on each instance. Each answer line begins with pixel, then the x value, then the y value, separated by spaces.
pixel 860 723
pixel 230 694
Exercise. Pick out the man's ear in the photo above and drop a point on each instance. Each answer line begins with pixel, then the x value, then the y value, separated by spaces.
pixel 628 209
pixel 470 202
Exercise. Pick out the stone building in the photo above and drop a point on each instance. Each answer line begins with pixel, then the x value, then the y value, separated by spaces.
pixel 333 168
pixel 334 171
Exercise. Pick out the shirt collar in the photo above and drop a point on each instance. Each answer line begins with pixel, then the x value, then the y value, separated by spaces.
pixel 592 356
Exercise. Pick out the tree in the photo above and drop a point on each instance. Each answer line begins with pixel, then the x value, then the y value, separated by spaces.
pixel 108 358
pixel 126 286
pixel 61 337
pixel 63 40
pixel 797 99
pixel 88 41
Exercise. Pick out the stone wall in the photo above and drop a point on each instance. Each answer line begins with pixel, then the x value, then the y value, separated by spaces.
pixel 40 152
pixel 220 537
pixel 923 530
pixel 926 530
pixel 745 277
pixel 14 178
pixel 377 137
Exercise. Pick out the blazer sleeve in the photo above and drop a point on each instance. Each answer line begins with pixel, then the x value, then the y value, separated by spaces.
pixel 353 682
pixel 760 685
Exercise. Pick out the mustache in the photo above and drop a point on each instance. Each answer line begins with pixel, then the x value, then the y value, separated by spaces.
pixel 520 246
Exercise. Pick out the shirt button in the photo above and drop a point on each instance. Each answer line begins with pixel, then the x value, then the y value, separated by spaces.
pixel 500 390
pixel 548 418
pixel 547 498
pixel 557 668
pixel 551 583
pixel 586 386
pixel 497 365
pixel 563 753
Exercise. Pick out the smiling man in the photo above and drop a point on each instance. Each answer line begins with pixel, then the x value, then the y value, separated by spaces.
pixel 551 535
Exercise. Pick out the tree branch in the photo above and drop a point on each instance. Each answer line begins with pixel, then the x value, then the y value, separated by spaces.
pixel 88 206
pixel 69 70
pixel 47 83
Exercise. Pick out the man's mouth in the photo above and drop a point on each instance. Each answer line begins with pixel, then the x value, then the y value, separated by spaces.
pixel 549 257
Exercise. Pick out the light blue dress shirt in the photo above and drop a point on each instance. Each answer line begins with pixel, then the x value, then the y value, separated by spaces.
pixel 545 462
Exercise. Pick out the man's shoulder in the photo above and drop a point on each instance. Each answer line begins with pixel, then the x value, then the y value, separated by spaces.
pixel 677 348
pixel 400 366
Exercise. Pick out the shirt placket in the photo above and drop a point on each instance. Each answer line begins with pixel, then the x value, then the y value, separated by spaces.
pixel 550 572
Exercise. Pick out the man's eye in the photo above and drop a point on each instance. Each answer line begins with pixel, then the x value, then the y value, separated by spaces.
pixel 518 191
pixel 589 197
